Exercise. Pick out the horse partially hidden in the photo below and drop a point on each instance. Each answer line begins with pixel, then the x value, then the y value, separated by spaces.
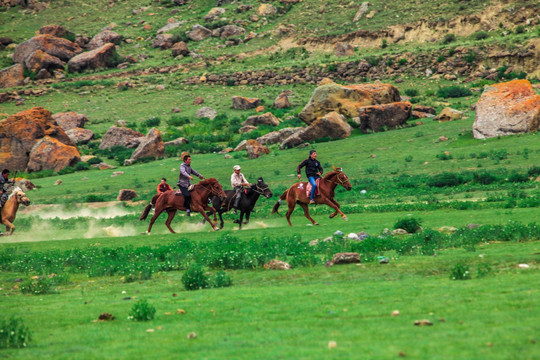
pixel 296 194
pixel 246 204
pixel 170 202
pixel 9 210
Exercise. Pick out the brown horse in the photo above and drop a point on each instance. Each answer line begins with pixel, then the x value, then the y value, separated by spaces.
pixel 296 194
pixel 170 202
pixel 9 210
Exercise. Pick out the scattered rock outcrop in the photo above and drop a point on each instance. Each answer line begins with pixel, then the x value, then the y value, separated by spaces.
pixel 79 135
pixel 70 120
pixel 150 146
pixel 347 100
pixel 199 33
pixel 126 195
pixel 104 37
pixel 120 136
pixel 102 57
pixel 391 116
pixel 255 150
pixel 12 76
pixel 333 125
pixel 264 119
pixel 52 45
pixel 507 108
pixel 244 103
pixel 19 135
pixel 275 137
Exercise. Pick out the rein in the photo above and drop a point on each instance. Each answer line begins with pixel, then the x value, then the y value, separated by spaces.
pixel 339 182
pixel 212 189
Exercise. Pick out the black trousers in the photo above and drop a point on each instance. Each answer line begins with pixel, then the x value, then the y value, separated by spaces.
pixel 187 197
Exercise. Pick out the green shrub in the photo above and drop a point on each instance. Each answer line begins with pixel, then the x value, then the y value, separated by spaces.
pixel 13 333
pixel 194 278
pixel 484 178
pixel 445 179
pixel 480 35
pixel 483 270
pixel 411 92
pixel 221 279
pixel 177 120
pixel 81 166
pixel 453 92
pixel 402 61
pixel 153 121
pixel 94 160
pixel 441 58
pixel 94 198
pixel 470 57
pixel 40 286
pixel 534 171
pixel 384 44
pixel 460 272
pixel 449 38
pixel 408 158
pixel 444 156
pixel 516 177
pixel 142 311
pixel 520 29
pixel 409 224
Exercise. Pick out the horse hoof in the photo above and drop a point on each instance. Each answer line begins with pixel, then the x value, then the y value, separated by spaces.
pixel 346 218
pixel 216 229
pixel 315 223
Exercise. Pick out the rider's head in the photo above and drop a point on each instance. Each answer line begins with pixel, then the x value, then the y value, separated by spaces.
pixel 5 173
pixel 237 168
pixel 187 159
pixel 163 180
pixel 313 154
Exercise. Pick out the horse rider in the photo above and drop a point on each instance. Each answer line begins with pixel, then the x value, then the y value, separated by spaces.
pixel 238 182
pixel 3 192
pixel 314 171
pixel 184 182
pixel 163 186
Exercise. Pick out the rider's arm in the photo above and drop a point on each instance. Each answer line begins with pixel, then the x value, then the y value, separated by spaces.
pixel 302 164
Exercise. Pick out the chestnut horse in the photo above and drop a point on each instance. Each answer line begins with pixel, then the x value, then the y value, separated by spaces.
pixel 296 194
pixel 9 210
pixel 170 202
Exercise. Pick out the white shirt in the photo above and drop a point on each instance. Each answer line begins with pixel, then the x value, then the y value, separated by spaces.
pixel 238 179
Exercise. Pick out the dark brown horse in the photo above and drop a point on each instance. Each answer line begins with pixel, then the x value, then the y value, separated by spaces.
pixel 170 202
pixel 296 194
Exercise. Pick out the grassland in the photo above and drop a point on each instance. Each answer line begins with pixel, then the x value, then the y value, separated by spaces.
pixel 311 311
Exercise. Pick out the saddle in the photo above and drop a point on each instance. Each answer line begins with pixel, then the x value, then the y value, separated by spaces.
pixel 308 188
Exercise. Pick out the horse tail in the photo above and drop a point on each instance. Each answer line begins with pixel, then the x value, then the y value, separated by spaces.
pixel 145 212
pixel 278 203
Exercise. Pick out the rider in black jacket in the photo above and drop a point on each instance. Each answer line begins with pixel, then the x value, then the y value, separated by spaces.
pixel 314 171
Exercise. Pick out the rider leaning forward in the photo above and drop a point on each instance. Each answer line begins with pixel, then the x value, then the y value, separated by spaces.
pixel 3 192
pixel 163 186
pixel 314 171
pixel 184 181
pixel 238 181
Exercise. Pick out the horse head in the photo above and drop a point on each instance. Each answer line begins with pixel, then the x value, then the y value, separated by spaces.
pixel 215 188
pixel 262 188
pixel 340 178
pixel 20 197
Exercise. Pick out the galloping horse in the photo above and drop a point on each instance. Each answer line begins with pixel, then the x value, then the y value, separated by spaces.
pixel 170 202
pixel 246 204
pixel 297 194
pixel 9 210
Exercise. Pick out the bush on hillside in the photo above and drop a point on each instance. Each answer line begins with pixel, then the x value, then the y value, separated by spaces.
pixel 195 278
pixel 445 179
pixel 409 224
pixel 13 333
pixel 449 38
pixel 453 92
pixel 142 311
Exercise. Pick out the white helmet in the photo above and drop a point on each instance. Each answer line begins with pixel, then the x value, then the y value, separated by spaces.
pixel 236 167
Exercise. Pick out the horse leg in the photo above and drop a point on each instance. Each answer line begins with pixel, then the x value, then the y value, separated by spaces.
pixel 337 211
pixel 153 220
pixel 200 210
pixel 10 228
pixel 306 213
pixel 220 219
pixel 171 213
pixel 335 205
pixel 240 219
pixel 248 214
pixel 289 212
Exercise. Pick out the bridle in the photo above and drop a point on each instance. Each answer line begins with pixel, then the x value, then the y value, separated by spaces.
pixel 214 190
pixel 339 181
pixel 259 190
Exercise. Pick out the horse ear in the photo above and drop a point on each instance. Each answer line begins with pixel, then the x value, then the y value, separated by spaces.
pixel 336 168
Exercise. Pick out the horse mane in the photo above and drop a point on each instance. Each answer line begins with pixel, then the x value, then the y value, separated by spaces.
pixel 207 181
pixel 15 190
pixel 330 174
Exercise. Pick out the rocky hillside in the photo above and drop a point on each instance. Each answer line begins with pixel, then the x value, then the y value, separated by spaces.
pixel 66 56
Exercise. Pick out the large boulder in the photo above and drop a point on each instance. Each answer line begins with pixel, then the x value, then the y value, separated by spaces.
pixel 150 146
pixel 12 76
pixel 20 132
pixel 230 30
pixel 282 100
pixel 448 114
pixel 264 119
pixel 176 142
pixel 507 108
pixel 120 136
pixel 255 150
pixel 126 195
pixel 49 153
pixel 206 112
pixel 56 30
pixel 163 41
pixel 80 136
pixel 333 125
pixel 102 57
pixel 199 33
pixel 347 100
pixel 391 116
pixel 104 37
pixel 266 10
pixel 52 45
pixel 180 48
pixel 214 13
pixel 244 103
pixel 275 137
pixel 41 60
pixel 70 120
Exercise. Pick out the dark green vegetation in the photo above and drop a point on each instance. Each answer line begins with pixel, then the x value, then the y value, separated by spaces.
pixel 72 258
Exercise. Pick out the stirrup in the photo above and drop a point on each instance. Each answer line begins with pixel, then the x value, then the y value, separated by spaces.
pixel 311 201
